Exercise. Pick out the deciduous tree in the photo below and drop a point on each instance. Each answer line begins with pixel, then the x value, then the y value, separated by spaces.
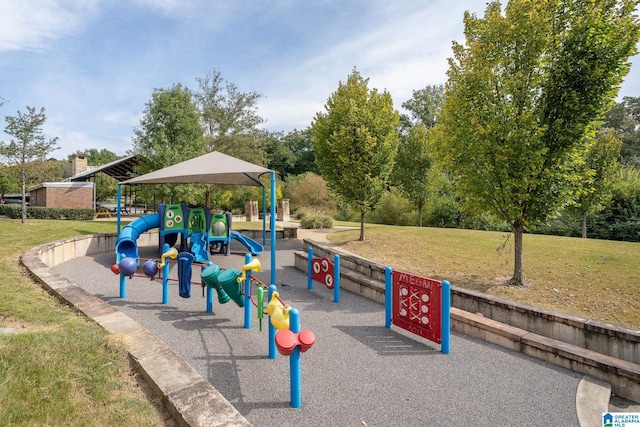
pixel 292 154
pixel 414 161
pixel 355 142
pixel 230 118
pixel 29 145
pixel 522 92
pixel 598 171
pixel 624 118
pixel 424 106
pixel 412 166
pixel 169 132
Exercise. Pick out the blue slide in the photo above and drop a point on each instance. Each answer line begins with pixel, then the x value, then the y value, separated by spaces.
pixel 199 247
pixel 126 244
pixel 255 247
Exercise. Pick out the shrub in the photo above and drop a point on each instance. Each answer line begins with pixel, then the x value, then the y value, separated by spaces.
pixel 309 191
pixel 393 210
pixel 313 220
pixel 38 212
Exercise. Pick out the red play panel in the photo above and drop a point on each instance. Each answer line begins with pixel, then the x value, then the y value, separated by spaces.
pixel 322 271
pixel 417 305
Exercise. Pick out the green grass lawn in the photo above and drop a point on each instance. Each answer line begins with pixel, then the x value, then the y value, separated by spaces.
pixel 58 368
pixel 593 279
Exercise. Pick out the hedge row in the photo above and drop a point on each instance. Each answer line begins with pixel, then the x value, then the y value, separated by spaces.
pixel 36 212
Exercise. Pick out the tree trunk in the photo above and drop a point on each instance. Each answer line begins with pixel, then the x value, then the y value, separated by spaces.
pixel 518 232
pixel 24 193
pixel 361 226
pixel 584 226
pixel 420 215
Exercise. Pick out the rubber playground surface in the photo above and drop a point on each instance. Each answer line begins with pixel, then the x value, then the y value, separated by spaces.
pixel 357 374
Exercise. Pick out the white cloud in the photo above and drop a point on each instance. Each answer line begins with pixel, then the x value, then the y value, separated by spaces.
pixel 33 24
pixel 94 64
pixel 399 52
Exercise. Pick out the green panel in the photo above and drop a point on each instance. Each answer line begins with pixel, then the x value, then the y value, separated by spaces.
pixel 219 226
pixel 173 219
pixel 197 220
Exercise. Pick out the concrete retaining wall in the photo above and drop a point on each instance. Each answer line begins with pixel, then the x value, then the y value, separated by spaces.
pixel 604 351
pixel 177 383
pixel 55 253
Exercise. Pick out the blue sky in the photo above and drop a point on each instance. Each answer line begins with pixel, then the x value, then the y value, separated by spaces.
pixel 93 64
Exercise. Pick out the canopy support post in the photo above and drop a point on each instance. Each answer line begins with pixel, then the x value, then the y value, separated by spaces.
pixel 118 209
pixel 273 227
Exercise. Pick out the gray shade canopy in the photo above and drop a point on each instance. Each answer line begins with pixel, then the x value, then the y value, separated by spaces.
pixel 216 168
pixel 212 168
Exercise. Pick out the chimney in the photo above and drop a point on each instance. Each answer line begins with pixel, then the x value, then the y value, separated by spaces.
pixel 78 164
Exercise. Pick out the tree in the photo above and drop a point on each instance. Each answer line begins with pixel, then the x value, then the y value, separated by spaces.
pixel 291 154
pixel 95 157
pixel 230 118
pixel 105 185
pixel 9 182
pixel 169 132
pixel 355 143
pixel 414 161
pixel 412 166
pixel 309 191
pixel 29 145
pixel 624 117
pixel 521 95
pixel 424 106
pixel 50 170
pixel 598 171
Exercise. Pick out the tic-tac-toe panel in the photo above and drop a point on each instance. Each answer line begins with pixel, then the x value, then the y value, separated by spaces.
pixel 417 305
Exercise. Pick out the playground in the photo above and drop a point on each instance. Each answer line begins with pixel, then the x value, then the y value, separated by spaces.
pixel 338 360
pixel 357 373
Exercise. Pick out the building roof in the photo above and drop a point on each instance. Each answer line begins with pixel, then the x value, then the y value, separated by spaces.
pixel 66 184
pixel 121 169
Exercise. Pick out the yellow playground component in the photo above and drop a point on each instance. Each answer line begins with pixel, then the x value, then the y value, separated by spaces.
pixel 171 253
pixel 253 266
pixel 278 313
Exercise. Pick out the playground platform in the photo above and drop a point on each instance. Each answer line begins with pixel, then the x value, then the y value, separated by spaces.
pixel 358 373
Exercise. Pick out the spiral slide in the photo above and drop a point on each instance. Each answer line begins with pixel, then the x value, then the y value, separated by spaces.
pixel 126 244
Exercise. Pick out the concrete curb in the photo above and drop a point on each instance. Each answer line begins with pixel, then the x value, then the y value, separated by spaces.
pixel 592 400
pixel 190 399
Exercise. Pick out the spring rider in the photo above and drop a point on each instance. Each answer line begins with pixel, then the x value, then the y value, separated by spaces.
pixel 227 283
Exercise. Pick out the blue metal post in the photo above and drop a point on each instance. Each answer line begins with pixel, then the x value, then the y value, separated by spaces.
pixel 264 215
pixel 336 278
pixel 388 296
pixel 247 293
pixel 209 291
pixel 165 276
pixel 294 361
pixel 209 299
pixel 309 268
pixel 446 317
pixel 273 228
pixel 123 280
pixel 119 195
pixel 273 352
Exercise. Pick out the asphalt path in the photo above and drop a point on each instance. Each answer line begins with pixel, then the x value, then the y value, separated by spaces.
pixel 357 374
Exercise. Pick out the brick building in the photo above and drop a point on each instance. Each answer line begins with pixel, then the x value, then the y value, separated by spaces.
pixel 62 195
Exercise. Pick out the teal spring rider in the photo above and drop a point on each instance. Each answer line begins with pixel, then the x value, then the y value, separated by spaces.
pixel 227 283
